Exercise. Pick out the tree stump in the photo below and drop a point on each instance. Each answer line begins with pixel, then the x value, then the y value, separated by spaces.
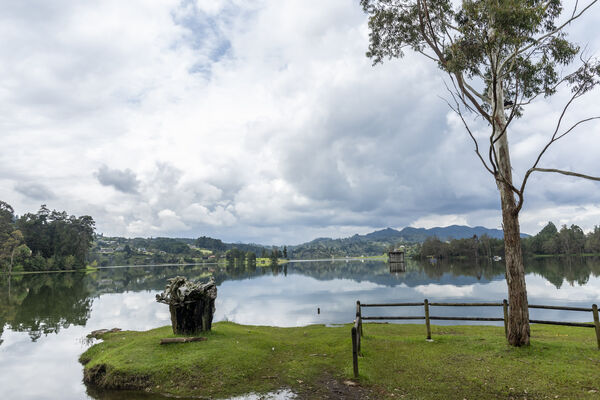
pixel 192 305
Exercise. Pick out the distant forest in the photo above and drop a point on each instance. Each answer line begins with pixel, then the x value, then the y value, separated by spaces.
pixel 108 250
pixel 379 242
pixel 54 240
pixel 47 240
pixel 549 241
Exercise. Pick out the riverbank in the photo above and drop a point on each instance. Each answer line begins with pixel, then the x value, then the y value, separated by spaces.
pixel 315 362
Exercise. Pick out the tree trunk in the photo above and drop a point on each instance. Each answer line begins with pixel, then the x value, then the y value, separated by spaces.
pixel 192 305
pixel 12 258
pixel 192 318
pixel 518 315
pixel 518 312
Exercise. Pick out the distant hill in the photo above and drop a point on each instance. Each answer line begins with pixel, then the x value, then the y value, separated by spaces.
pixel 446 233
pixel 378 242
pixel 374 243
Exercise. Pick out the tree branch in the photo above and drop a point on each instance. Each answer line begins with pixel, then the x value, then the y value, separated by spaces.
pixel 559 171
pixel 475 92
pixel 433 44
pixel 460 94
pixel 428 56
pixel 535 42
pixel 461 85
pixel 575 126
pixel 553 139
pixel 457 111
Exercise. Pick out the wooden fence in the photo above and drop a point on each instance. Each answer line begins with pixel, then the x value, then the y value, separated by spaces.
pixel 357 329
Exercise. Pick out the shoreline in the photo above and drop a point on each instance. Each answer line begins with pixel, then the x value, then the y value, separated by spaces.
pixel 463 361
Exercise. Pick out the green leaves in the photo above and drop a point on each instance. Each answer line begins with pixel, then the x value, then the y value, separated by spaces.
pixel 516 42
pixel 59 241
pixel 585 78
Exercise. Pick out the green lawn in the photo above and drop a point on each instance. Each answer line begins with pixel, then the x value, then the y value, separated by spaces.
pixel 471 362
pixel 267 262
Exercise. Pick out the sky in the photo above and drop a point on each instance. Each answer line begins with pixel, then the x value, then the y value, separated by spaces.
pixel 257 121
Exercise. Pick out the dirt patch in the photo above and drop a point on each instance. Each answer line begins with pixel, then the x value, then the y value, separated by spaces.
pixel 94 375
pixel 100 377
pixel 328 387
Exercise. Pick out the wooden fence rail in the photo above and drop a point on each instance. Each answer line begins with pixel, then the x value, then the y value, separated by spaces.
pixel 357 329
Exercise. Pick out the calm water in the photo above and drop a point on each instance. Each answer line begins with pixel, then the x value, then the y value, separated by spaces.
pixel 44 318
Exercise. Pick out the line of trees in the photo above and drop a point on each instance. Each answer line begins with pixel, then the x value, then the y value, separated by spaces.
pixel 549 241
pixel 46 240
pixel 567 240
pixel 216 245
pixel 237 255
pixel 474 247
pixel 274 255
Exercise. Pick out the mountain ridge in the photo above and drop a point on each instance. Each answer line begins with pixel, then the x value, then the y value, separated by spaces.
pixel 379 241
pixel 441 232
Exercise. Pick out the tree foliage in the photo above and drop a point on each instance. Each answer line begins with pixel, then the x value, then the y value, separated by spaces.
pixel 566 241
pixel 497 53
pixel 471 248
pixel 7 216
pixel 45 240
pixel 209 243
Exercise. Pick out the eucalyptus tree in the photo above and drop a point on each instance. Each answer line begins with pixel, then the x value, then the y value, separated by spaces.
pixel 7 215
pixel 13 246
pixel 499 56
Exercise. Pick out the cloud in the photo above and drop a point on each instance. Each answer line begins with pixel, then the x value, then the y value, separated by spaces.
pixel 451 291
pixel 35 191
pixel 259 121
pixel 123 180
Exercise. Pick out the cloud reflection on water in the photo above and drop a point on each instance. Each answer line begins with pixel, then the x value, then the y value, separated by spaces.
pixel 42 363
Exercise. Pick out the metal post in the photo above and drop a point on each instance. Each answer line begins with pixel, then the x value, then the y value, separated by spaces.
pixel 426 303
pixel 596 323
pixel 505 306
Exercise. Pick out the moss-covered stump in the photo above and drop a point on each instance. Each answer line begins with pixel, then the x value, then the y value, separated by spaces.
pixel 315 361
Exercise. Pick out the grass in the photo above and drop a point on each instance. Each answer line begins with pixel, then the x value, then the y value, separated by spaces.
pixel 562 255
pixel 90 268
pixel 472 362
pixel 267 262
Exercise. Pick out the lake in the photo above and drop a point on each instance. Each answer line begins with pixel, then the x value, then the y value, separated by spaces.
pixel 44 318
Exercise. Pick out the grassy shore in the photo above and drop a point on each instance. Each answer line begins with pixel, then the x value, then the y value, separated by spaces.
pixel 267 262
pixel 563 255
pixel 463 362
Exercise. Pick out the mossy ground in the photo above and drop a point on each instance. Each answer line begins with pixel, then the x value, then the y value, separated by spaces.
pixel 472 362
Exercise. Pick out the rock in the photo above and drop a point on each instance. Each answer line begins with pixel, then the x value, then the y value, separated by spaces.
pixel 98 333
pixel 182 340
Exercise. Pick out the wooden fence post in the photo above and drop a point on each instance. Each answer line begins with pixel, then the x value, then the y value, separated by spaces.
pixel 505 306
pixel 596 323
pixel 426 303
pixel 354 351
pixel 358 338
pixel 359 318
pixel 358 326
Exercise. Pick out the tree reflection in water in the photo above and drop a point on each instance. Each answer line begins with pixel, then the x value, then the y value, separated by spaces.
pixel 44 303
pixel 40 304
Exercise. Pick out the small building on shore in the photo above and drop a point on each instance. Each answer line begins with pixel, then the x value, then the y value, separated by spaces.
pixel 396 255
pixel 396 260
